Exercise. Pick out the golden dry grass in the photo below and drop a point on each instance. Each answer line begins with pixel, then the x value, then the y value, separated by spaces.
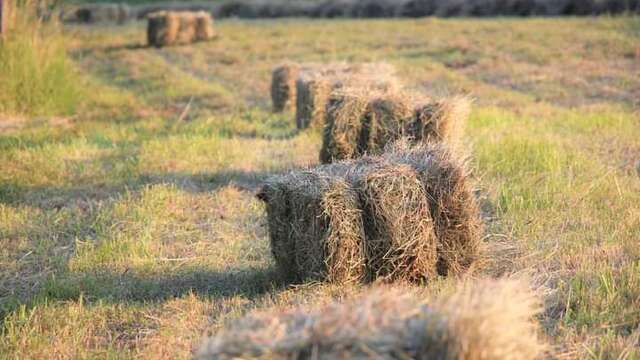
pixel 129 234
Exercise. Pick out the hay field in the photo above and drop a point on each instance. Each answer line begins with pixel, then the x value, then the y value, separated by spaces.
pixel 131 229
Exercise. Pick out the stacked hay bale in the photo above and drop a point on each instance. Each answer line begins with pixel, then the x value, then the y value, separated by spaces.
pixel 178 28
pixel 96 13
pixel 408 214
pixel 304 89
pixel 362 122
pixel 313 89
pixel 394 323
pixel 283 86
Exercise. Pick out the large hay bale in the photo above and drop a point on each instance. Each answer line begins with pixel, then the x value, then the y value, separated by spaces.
pixel 364 122
pixel 456 215
pixel 400 240
pixel 315 227
pixel 283 86
pixel 408 214
pixel 486 320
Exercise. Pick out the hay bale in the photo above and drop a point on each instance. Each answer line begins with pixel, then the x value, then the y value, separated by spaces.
pixel 408 214
pixel 187 29
pixel 162 28
pixel 393 323
pixel 442 120
pixel 400 239
pixel 456 215
pixel 315 227
pixel 364 122
pixel 312 95
pixel 343 125
pixel 283 86
pixel 203 26
pixel 387 118
pixel 178 27
pixel 314 87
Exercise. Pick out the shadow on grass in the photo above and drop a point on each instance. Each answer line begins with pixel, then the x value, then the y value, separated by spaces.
pixel 52 197
pixel 128 287
pixel 137 286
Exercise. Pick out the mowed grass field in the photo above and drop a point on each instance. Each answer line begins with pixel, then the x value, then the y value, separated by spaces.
pixel 131 230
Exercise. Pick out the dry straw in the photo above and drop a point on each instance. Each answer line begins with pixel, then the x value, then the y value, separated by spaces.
pixel 492 319
pixel 455 212
pixel 315 226
pixel 362 122
pixel 400 239
pixel 408 214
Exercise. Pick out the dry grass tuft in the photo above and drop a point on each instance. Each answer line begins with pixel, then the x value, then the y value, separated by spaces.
pixel 178 28
pixel 488 320
pixel 361 121
pixel 408 214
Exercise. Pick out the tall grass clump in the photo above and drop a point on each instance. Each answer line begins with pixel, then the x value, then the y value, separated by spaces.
pixel 36 75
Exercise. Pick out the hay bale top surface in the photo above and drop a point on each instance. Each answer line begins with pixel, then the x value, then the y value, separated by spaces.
pixel 489 319
pixel 179 13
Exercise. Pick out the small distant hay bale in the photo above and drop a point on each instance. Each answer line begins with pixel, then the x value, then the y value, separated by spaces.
pixel 308 85
pixel 343 125
pixel 166 28
pixel 489 319
pixel 314 88
pixel 204 26
pixel 312 95
pixel 283 86
pixel 162 28
pixel 442 120
pixel 89 14
pixel 187 29
pixel 385 116
pixel 408 214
